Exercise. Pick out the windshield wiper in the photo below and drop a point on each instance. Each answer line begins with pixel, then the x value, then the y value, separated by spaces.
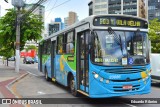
pixel 116 37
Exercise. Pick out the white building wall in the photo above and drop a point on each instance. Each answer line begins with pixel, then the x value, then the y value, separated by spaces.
pixel 100 7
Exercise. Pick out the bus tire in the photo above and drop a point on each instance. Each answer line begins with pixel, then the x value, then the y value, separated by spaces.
pixel 46 75
pixel 72 87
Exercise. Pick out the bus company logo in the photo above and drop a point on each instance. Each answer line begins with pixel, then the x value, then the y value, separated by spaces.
pixel 6 101
pixel 114 77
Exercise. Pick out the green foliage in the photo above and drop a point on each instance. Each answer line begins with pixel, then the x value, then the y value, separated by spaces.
pixel 31 29
pixel 154 34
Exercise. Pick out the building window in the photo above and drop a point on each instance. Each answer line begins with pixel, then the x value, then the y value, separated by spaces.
pixel 103 0
pixel 97 1
pixel 157 13
pixel 97 6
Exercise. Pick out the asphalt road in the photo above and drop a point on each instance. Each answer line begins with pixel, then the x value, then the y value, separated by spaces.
pixel 35 86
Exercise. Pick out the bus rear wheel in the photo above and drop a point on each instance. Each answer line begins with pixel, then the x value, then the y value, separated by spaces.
pixel 72 87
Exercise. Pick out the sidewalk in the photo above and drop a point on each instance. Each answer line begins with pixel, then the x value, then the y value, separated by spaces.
pixel 7 77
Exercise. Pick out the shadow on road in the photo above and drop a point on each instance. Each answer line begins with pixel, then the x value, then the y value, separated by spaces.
pixel 155 85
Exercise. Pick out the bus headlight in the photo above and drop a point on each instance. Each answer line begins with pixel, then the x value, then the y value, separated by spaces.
pixel 96 75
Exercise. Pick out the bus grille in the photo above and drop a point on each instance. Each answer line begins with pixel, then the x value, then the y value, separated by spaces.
pixel 126 70
pixel 130 80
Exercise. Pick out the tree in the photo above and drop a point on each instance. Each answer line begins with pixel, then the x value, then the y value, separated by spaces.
pixel 31 29
pixel 30 47
pixel 154 34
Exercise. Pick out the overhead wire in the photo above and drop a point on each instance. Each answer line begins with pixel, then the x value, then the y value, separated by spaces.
pixel 32 9
pixel 47 4
pixel 58 5
pixel 52 8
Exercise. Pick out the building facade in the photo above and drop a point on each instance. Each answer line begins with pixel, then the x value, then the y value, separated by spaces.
pixel 153 9
pixel 100 7
pixel 128 7
pixel 71 19
pixel 55 26
pixel 66 22
pixel 40 10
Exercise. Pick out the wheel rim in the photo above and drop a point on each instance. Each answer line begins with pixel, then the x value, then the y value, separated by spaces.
pixel 72 85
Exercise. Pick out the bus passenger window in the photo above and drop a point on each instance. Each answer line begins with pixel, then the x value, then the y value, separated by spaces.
pixel 70 48
pixel 60 45
pixel 60 49
pixel 70 43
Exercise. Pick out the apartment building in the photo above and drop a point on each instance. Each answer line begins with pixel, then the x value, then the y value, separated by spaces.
pixel 153 9
pixel 128 7
pixel 71 19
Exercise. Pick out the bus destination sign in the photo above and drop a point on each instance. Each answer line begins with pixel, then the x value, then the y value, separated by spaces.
pixel 120 21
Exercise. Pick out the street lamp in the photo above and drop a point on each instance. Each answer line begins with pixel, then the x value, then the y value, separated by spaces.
pixel 18 4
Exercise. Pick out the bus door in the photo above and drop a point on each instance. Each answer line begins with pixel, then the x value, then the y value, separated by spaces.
pixel 82 58
pixel 53 51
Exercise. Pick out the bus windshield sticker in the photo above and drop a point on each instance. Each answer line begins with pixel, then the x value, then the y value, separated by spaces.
pixel 130 61
pixel 124 61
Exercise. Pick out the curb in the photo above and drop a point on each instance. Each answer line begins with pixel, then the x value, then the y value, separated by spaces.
pixel 14 81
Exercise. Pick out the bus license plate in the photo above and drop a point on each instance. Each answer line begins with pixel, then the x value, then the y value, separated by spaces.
pixel 127 87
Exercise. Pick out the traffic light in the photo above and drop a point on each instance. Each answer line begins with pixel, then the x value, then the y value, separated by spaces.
pixel 6 1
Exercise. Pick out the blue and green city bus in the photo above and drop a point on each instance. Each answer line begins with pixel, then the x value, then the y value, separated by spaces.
pixel 100 56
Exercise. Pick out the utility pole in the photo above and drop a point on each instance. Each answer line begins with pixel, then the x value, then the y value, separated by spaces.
pixel 18 4
pixel 17 40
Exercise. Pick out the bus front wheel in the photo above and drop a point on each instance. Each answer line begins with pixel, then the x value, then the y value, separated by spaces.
pixel 72 87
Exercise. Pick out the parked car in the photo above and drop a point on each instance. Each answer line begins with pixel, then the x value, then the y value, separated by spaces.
pixel 28 60
pixel 36 59
pixel 11 58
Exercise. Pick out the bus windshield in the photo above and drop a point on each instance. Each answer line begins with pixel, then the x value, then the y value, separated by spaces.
pixel 111 48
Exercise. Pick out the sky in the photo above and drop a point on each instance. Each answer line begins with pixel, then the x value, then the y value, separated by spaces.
pixel 53 10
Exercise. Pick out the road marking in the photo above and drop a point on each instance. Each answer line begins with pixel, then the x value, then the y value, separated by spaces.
pixel 32 74
pixel 42 93
pixel 14 89
pixel 130 105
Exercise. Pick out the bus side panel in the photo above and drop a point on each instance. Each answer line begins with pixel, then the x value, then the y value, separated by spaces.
pixel 63 67
pixel 44 62
pixel 48 66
